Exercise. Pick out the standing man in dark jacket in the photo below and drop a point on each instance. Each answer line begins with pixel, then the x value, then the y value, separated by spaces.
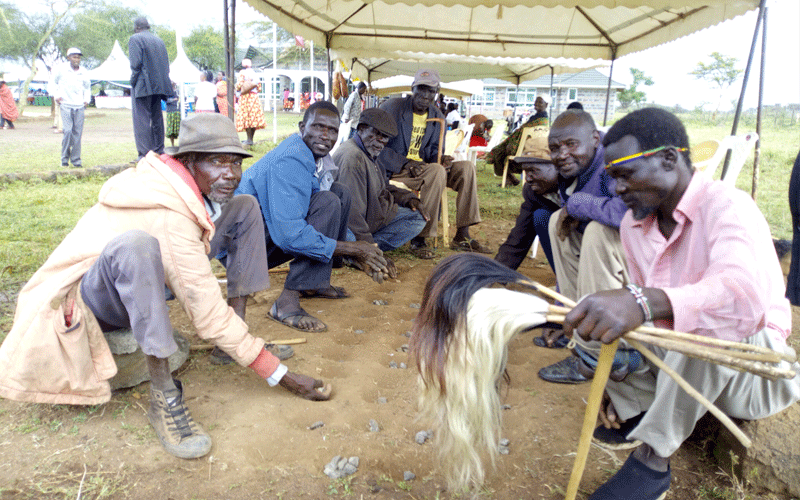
pixel 150 85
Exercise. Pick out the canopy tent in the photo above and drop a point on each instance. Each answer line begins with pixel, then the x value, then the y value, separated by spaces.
pixel 452 67
pixel 402 83
pixel 116 67
pixel 184 73
pixel 593 29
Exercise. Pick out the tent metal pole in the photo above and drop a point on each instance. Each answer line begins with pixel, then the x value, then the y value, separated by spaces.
pixel 330 66
pixel 608 89
pixel 550 96
pixel 274 85
pixel 739 105
pixel 228 59
pixel 757 157
pixel 232 55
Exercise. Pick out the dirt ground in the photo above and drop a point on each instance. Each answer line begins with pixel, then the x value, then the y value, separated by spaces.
pixel 263 447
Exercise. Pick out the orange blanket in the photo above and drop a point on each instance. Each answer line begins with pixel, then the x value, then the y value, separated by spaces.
pixel 7 106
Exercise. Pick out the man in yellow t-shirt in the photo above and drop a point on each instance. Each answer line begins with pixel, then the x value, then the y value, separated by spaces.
pixel 411 158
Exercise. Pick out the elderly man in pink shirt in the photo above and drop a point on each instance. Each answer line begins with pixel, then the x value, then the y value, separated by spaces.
pixel 701 260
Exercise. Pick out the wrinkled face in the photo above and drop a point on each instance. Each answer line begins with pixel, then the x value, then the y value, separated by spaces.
pixel 320 131
pixel 422 97
pixel 542 177
pixel 217 175
pixel 74 60
pixel 572 146
pixel 644 184
pixel 374 140
pixel 539 105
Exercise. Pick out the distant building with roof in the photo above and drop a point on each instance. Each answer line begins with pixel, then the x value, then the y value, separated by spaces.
pixel 587 87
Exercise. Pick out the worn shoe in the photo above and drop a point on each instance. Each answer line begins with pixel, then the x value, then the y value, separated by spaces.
pixel 469 245
pixel 634 481
pixel 565 371
pixel 177 431
pixel 616 439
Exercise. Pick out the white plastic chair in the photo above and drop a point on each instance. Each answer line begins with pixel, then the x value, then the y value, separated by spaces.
pixel 461 152
pixel 740 147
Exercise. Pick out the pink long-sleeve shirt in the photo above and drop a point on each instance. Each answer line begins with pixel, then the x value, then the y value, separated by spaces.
pixel 718 268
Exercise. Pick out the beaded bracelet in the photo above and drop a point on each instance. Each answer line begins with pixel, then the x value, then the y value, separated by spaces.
pixel 637 293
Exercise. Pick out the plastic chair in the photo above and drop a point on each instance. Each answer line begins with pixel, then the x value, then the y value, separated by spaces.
pixel 527 133
pixel 461 151
pixel 703 153
pixel 740 147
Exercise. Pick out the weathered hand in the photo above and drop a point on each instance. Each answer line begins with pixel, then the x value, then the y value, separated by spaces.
pixel 306 387
pixel 604 316
pixel 371 258
pixel 416 205
pixel 447 162
pixel 566 225
pixel 608 414
pixel 414 167
pixel 392 268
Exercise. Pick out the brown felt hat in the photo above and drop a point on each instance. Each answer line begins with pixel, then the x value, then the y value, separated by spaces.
pixel 209 133
pixel 380 120
pixel 535 149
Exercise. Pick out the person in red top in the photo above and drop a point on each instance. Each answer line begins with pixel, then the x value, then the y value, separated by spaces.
pixel 481 132
pixel 701 260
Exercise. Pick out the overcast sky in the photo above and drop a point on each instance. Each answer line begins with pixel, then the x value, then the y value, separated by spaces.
pixel 668 64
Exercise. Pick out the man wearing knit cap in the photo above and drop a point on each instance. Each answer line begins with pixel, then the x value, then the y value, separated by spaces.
pixel 411 158
pixel 156 224
pixel 379 212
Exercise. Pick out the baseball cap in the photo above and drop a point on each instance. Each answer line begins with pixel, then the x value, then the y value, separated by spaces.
pixel 73 51
pixel 429 77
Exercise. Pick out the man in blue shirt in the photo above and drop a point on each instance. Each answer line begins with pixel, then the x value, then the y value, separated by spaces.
pixel 305 214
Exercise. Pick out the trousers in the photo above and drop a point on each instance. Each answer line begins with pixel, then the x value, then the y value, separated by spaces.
pixel 431 184
pixel 72 119
pixel 125 287
pixel 328 212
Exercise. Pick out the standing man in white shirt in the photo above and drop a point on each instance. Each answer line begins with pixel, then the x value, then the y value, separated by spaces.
pixel 72 91
pixel 353 107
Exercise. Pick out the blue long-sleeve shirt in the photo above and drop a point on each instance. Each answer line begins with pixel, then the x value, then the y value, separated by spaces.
pixel 283 181
pixel 595 197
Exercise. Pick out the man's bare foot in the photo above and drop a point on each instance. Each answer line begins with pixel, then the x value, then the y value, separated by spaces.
pixel 287 311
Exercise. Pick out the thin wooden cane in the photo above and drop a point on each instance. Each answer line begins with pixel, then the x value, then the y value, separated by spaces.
pixel 444 210
pixel 604 362
pixel 726 421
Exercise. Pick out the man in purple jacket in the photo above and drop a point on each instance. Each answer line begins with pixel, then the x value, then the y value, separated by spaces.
pixel 584 234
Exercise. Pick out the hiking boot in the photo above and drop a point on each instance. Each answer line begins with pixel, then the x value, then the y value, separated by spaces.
pixel 177 431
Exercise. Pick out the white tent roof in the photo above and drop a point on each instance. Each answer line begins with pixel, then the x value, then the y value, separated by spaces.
pixel 402 83
pixel 594 29
pixel 182 70
pixel 116 67
pixel 454 68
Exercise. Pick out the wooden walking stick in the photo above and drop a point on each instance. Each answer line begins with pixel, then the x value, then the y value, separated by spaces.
pixel 601 374
pixel 445 214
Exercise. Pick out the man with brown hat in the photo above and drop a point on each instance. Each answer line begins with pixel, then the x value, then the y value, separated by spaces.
pixel 411 157
pixel 380 213
pixel 156 224
pixel 540 200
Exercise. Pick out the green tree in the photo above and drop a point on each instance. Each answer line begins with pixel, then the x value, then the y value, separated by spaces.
pixel 26 38
pixel 205 47
pixel 632 96
pixel 94 30
pixel 721 72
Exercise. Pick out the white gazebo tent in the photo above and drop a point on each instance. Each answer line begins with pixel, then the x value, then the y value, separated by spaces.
pixel 116 69
pixel 184 74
